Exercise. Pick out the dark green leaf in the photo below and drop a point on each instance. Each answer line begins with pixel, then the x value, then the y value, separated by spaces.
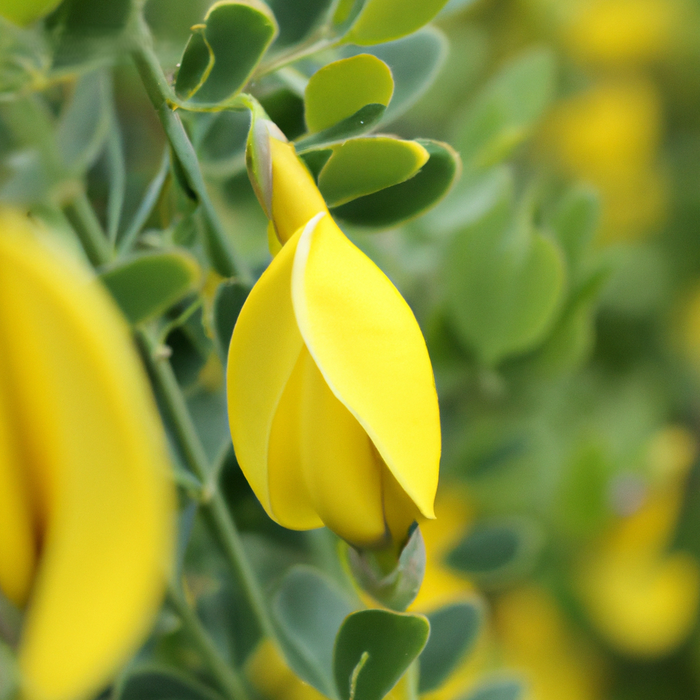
pixel 491 552
pixel 373 649
pixel 146 285
pixel 87 29
pixel 84 124
pixel 228 302
pixel 498 690
pixel 164 684
pixel 297 19
pixel 453 631
pixel 235 35
pixel 359 123
pixel 507 110
pixel 221 148
pixel 415 62
pixel 315 160
pixel 365 165
pixel 308 610
pixel 404 201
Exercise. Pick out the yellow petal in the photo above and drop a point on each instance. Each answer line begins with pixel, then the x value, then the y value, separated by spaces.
pixel 342 469
pixel 17 537
pixel 290 500
pixel 90 427
pixel 295 197
pixel 369 349
pixel 265 346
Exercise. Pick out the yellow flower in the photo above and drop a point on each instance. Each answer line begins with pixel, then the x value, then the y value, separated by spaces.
pixel 332 402
pixel 643 599
pixel 85 504
pixel 622 31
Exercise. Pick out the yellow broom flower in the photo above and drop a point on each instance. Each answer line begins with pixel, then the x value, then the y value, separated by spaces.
pixel 85 504
pixel 332 402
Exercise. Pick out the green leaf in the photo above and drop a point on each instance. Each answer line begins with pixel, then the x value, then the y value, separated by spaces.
pixel 162 684
pixel 221 146
pixel 505 282
pixel 146 285
pixel 498 690
pixel 492 552
pixel 373 649
pixel 454 7
pixel 297 19
pixel 453 631
pixel 386 20
pixel 83 30
pixel 415 62
pixel 362 166
pixel 84 124
pixel 308 610
pixel 338 90
pixel 9 673
pixel 507 110
pixel 362 121
pixel 576 221
pixel 228 302
pixel 23 12
pixel 222 54
pixel 394 205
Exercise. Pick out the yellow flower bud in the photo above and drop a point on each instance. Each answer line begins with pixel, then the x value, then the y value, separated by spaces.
pixel 85 503
pixel 332 403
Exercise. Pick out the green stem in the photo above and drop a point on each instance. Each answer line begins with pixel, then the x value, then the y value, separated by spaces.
pixel 220 254
pixel 215 508
pixel 229 681
pixel 83 219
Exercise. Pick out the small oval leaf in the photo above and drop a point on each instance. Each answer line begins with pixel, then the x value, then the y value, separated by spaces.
pixel 359 123
pixel 308 610
pixel 453 631
pixel 362 166
pixel 146 285
pixel 498 690
pixel 338 90
pixel 157 684
pixel 234 38
pixel 373 649
pixel 505 282
pixel 505 112
pixel 394 205
pixel 228 302
pixel 386 20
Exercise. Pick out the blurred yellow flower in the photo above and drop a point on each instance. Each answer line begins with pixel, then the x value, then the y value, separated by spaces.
pixel 610 135
pixel 613 32
pixel 534 639
pixel 332 403
pixel 85 501
pixel 642 598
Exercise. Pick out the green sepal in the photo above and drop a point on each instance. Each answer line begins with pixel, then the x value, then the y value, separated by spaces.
pixel 393 581
pixel 394 205
pixel 146 285
pixel 373 649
